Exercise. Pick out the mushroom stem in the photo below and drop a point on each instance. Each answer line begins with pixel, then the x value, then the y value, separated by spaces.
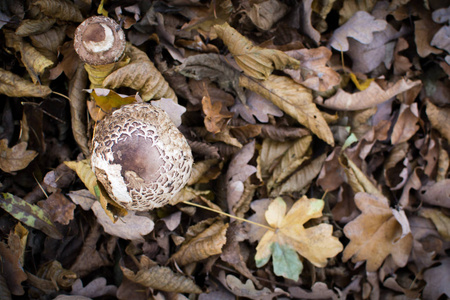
pixel 100 43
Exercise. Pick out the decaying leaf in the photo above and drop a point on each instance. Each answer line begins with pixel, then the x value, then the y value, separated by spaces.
pixel 248 289
pixel 28 27
pixel 367 98
pixel 356 178
pixel 360 27
pixel 440 220
pixel 289 236
pixel 375 234
pixel 255 61
pixel 15 86
pixel 141 75
pixel 15 158
pixel 439 117
pixel 437 279
pixel 12 272
pixel 60 9
pixel 267 13
pixel 59 208
pixel 293 99
pixel 207 243
pixel 84 171
pixel 217 116
pixel 31 215
pixel 163 279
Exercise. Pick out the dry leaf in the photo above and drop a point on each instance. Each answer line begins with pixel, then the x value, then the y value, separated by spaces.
pixel 406 125
pixel 314 73
pixel 107 99
pixel 265 14
pixel 356 178
pixel 375 234
pixel 437 279
pixel 15 158
pixel 319 290
pixel 255 61
pixel 305 18
pixel 439 117
pixel 351 7
pixel 29 27
pixel 35 62
pixel 440 220
pixel 141 75
pixel 435 193
pixel 370 97
pixel 293 99
pixel 424 30
pixel 163 279
pixel 60 9
pixel 257 106
pixel 248 289
pixel 59 208
pixel 15 86
pixel 12 271
pixel 207 243
pixel 289 236
pixel 96 288
pixel 217 116
pixel 360 26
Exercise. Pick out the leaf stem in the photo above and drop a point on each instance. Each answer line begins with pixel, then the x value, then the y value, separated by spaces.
pixel 228 215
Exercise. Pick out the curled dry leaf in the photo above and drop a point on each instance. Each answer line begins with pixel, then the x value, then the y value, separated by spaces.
pixel 440 220
pixel 60 9
pixel 367 98
pixel 265 14
pixel 255 61
pixel 12 272
pixel 141 75
pixel 288 236
pixel 356 178
pixel 270 155
pixel 35 62
pixel 207 243
pixel 29 27
pixel 15 158
pixel 163 279
pixel 314 73
pixel 15 86
pixel 375 234
pixel 439 117
pixel 360 26
pixel 406 125
pixel 49 42
pixel 293 99
pixel 248 289
pixel 217 115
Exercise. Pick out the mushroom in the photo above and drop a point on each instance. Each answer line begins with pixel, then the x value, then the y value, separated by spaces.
pixel 140 157
pixel 100 43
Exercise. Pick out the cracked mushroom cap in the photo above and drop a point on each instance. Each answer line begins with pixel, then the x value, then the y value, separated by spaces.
pixel 140 157
pixel 99 40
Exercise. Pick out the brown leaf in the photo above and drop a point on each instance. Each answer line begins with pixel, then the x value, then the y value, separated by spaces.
pixel 406 125
pixel 424 30
pixel 15 158
pixel 436 193
pixel 375 234
pixel 356 178
pixel 248 289
pixel 319 290
pixel 205 244
pixel 367 98
pixel 255 61
pixel 15 86
pixel 60 9
pixel 293 99
pixel 270 155
pixel 265 14
pixel 217 115
pixel 349 8
pixel 440 220
pixel 141 75
pixel 11 269
pixel 163 279
pixel 28 27
pixel 437 279
pixel 258 106
pixel 59 208
pixel 439 117
pixel 314 73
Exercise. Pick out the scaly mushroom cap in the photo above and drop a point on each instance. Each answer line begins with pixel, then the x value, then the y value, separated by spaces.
pixel 99 40
pixel 140 157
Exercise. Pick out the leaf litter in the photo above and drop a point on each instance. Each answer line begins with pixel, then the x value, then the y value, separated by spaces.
pixel 321 143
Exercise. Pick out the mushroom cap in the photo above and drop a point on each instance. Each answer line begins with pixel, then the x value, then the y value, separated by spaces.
pixel 140 157
pixel 99 40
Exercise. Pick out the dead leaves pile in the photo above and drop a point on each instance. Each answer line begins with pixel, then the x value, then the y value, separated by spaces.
pixel 325 123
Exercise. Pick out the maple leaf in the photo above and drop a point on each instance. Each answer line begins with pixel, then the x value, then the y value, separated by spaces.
pixel 376 233
pixel 288 235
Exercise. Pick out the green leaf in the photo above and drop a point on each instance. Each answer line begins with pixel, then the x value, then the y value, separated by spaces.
pixel 31 215
pixel 286 262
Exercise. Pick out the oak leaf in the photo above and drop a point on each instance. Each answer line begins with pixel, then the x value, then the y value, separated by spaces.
pixel 289 236
pixel 294 99
pixel 15 158
pixel 217 116
pixel 255 61
pixel 375 234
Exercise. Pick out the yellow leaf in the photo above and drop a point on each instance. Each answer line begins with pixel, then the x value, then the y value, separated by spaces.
pixel 314 243
pixel 294 99
pixel 15 158
pixel 109 99
pixel 15 86
pixel 84 171
pixel 255 61
pixel 361 85
pixel 440 220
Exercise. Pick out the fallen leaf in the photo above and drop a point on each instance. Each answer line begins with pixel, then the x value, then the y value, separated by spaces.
pixel 172 109
pixel 28 26
pixel 375 234
pixel 60 9
pixel 305 19
pixel 435 193
pixel 314 73
pixel 59 208
pixel 424 30
pixel 31 215
pixel 438 117
pixel 360 26
pixel 108 99
pixel 265 14
pixel 351 7
pixel 370 97
pixel 288 235
pixel 406 125
pixel 437 279
pixel 319 290
pixel 293 99
pixel 15 86
pixel 255 61
pixel 15 158
pixel 356 178
pixel 248 289
pixel 163 279
pixel 207 243
pixel 217 116
pixel 257 106
pixel 11 271
pixel 440 220
pixel 96 288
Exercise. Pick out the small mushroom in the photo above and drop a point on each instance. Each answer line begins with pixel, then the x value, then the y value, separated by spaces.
pixel 140 157
pixel 100 43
